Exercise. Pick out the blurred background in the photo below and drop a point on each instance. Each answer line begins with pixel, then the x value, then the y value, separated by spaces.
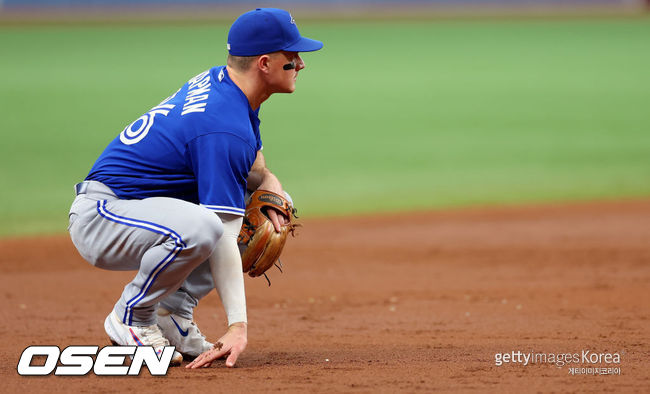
pixel 410 105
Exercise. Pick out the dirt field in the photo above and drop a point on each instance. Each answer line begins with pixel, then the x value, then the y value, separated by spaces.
pixel 396 303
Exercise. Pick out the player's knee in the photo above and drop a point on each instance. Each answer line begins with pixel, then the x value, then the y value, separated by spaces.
pixel 204 235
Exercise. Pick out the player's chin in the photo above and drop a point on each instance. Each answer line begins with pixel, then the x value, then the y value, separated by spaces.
pixel 288 89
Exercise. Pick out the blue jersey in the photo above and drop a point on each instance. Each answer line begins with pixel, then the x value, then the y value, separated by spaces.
pixel 198 145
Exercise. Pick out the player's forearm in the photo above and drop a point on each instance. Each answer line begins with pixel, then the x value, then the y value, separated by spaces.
pixel 256 177
pixel 226 267
pixel 260 177
pixel 257 173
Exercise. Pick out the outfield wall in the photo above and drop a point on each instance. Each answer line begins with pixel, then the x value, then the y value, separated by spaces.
pixel 115 10
pixel 91 3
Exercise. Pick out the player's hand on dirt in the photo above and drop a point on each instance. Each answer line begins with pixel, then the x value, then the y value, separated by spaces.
pixel 232 344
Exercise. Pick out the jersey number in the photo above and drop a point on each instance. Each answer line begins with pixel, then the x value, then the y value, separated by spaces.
pixel 137 130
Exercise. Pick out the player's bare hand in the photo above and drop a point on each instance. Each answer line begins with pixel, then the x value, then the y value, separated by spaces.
pixel 232 344
pixel 277 219
pixel 272 184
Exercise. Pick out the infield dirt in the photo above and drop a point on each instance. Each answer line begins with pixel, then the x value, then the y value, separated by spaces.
pixel 392 303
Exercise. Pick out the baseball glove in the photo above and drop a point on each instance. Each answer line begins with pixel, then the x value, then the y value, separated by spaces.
pixel 262 244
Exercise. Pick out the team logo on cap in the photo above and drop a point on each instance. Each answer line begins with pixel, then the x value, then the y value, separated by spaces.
pixel 293 21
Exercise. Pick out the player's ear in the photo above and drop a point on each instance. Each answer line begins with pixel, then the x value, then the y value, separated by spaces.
pixel 263 63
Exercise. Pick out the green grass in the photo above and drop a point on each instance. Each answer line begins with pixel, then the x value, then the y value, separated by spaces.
pixel 387 117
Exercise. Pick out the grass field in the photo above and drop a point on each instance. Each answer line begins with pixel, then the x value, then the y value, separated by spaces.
pixel 387 117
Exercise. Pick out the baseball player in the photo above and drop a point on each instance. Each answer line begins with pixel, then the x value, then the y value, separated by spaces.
pixel 166 197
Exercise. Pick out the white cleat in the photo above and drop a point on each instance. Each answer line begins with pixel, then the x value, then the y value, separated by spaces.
pixel 182 333
pixel 123 335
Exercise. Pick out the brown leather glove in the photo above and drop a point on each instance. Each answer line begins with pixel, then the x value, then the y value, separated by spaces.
pixel 263 244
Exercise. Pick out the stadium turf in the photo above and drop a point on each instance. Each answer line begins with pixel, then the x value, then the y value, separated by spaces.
pixel 389 116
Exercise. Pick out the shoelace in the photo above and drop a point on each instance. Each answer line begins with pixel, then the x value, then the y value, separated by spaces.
pixel 154 336
pixel 196 328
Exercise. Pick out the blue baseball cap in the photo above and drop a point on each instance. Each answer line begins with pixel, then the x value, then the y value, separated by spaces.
pixel 266 30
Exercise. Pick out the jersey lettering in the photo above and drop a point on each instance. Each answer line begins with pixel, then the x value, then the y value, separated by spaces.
pixel 197 94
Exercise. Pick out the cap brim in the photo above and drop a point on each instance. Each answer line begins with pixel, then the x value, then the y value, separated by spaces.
pixel 304 45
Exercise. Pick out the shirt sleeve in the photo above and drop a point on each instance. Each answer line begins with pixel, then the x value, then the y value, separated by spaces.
pixel 221 162
pixel 225 265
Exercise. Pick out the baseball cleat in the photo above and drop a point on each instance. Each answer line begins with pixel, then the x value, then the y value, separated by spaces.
pixel 182 333
pixel 123 335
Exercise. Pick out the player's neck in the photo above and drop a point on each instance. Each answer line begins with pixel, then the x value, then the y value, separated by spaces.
pixel 249 83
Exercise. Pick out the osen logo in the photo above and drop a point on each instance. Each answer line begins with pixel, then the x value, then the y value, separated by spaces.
pixel 79 361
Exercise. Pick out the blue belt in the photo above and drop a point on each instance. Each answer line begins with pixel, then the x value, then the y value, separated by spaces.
pixel 81 187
